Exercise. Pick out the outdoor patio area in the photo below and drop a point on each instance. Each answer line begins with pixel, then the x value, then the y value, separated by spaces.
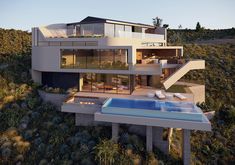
pixel 140 93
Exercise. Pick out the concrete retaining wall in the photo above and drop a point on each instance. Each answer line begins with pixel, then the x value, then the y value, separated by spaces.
pixel 56 99
pixel 88 120
pixel 158 142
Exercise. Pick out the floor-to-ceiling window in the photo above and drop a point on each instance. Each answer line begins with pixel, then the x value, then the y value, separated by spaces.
pixel 67 58
pixel 80 59
pixel 112 59
pixel 93 59
pixel 123 84
pixel 106 83
pixel 107 58
pixel 120 59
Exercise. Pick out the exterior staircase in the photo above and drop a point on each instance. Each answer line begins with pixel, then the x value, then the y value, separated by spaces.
pixel 190 65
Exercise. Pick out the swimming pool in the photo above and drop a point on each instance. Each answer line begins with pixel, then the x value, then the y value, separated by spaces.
pixel 153 109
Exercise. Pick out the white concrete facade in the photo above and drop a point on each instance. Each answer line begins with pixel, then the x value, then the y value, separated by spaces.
pixel 48 41
pixel 105 34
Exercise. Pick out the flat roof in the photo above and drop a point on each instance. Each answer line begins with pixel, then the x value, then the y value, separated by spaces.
pixel 90 20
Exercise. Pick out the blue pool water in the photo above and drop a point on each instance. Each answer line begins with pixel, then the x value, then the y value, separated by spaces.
pixel 151 105
pixel 152 108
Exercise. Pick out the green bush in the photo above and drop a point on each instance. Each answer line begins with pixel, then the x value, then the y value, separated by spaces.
pixel 227 113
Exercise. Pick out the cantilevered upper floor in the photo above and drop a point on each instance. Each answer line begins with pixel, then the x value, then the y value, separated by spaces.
pixel 107 31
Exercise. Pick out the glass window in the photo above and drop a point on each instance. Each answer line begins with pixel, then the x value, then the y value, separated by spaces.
pixel 98 29
pixel 128 31
pixel 106 58
pixel 80 58
pixel 67 58
pixel 93 59
pixel 98 83
pixel 136 29
pixel 92 29
pixel 119 29
pixel 87 29
pixel 109 30
pixel 110 85
pixel 105 83
pixel 123 84
pixel 120 59
pixel 85 82
pixel 113 59
pixel 128 28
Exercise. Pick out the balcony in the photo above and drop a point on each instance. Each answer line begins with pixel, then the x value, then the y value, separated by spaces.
pixel 146 69
pixel 73 33
pixel 125 34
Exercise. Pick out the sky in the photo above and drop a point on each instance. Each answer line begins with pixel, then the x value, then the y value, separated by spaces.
pixel 25 14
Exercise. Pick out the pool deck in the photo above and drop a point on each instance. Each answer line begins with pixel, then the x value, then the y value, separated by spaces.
pixel 90 114
pixel 140 93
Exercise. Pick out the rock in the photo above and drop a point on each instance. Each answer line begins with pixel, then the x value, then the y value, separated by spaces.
pixel 48 125
pixel 6 153
pixel 19 158
pixel 44 134
pixel 41 148
pixel 29 112
pixel 12 131
pixel 87 161
pixel 64 127
pixel 49 151
pixel 28 134
pixel 23 105
pixel 160 162
pixel 23 126
pixel 6 144
pixel 35 115
pixel 57 120
pixel 68 162
pixel 75 156
pixel 73 141
pixel 15 106
pixel 64 149
pixel 43 162
pixel 91 144
pixel 25 119
pixel 210 114
pixel 207 141
pixel 3 139
pixel 38 141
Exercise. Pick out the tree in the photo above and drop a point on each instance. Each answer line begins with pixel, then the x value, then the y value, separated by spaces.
pixel 198 27
pixel 165 25
pixel 180 26
pixel 157 22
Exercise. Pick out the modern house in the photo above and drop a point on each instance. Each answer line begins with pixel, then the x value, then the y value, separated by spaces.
pixel 117 66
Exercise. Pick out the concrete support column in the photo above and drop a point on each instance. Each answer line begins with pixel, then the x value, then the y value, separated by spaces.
pixel 158 131
pixel 149 138
pixel 158 141
pixel 115 127
pixel 170 132
pixel 186 149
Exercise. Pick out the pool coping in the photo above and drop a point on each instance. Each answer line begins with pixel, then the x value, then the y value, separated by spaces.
pixel 153 113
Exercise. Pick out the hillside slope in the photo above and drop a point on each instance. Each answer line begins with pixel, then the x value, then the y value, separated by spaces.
pixel 35 132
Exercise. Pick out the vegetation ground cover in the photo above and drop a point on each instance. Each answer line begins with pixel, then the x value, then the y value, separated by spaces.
pixel 35 132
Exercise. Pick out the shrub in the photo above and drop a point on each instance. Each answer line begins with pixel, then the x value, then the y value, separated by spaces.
pixel 106 152
pixel 227 113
